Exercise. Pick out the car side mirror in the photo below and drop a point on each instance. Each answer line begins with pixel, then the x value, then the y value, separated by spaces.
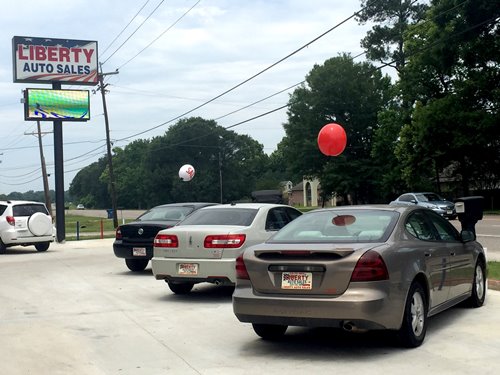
pixel 414 201
pixel 467 235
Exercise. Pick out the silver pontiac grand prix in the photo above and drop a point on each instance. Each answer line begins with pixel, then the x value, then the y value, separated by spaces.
pixel 359 268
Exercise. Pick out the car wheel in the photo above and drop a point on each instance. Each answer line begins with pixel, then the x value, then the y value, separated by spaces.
pixel 180 288
pixel 136 265
pixel 42 246
pixel 269 331
pixel 478 285
pixel 414 327
pixel 3 248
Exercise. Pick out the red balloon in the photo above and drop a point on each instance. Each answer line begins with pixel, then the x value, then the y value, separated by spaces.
pixel 332 139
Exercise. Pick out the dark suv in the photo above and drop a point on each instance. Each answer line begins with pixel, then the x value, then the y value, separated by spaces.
pixel 25 223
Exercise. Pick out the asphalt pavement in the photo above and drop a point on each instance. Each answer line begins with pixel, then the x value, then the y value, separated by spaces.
pixel 76 309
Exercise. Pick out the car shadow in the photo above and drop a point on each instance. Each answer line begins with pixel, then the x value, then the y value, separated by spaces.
pixel 22 250
pixel 201 293
pixel 316 343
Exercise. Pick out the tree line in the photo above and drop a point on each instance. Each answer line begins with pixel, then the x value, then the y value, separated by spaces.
pixel 434 127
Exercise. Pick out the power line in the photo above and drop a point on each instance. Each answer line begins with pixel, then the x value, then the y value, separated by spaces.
pixel 128 24
pixel 159 36
pixel 130 36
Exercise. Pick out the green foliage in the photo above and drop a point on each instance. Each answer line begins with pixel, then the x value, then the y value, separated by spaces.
pixel 347 93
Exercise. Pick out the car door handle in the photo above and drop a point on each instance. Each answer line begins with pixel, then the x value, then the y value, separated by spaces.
pixel 452 254
pixel 427 254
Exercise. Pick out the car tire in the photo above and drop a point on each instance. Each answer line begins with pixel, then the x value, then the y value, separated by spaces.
pixel 136 265
pixel 269 331
pixel 42 246
pixel 478 285
pixel 180 288
pixel 414 326
pixel 3 248
pixel 40 224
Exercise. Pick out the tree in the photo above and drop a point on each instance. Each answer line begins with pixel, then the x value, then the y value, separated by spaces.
pixel 347 93
pixel 385 41
pixel 454 76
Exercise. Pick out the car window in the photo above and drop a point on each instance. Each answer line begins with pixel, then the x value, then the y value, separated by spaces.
pixel 445 230
pixel 278 217
pixel 221 216
pixel 432 197
pixel 418 226
pixel 28 209
pixel 339 226
pixel 406 198
pixel 166 213
pixel 3 207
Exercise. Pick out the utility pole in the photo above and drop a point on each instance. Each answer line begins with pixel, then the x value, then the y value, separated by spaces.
pixel 44 171
pixel 112 189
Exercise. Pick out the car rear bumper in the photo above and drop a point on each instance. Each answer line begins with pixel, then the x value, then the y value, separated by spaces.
pixel 360 307
pixel 13 237
pixel 127 250
pixel 211 270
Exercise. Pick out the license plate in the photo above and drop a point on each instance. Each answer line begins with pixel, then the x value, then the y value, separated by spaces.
pixel 187 269
pixel 296 280
pixel 139 251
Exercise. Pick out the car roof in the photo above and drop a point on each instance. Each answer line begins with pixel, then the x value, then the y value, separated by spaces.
pixel 246 205
pixel 382 207
pixel 13 201
pixel 187 204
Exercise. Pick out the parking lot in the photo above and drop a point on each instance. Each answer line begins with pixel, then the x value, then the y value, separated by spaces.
pixel 76 309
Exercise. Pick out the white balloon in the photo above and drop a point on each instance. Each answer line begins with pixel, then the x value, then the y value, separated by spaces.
pixel 186 173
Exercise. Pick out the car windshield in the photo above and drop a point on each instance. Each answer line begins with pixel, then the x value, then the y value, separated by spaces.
pixel 166 213
pixel 339 226
pixel 222 216
pixel 429 197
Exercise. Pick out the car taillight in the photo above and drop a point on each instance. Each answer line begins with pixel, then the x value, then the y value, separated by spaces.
pixel 229 241
pixel 370 267
pixel 11 220
pixel 166 240
pixel 118 233
pixel 241 269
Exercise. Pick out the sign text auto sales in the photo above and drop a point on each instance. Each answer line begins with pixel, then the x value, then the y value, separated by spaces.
pixel 54 60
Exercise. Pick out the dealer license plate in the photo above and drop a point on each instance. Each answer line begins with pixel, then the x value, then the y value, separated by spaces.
pixel 187 269
pixel 296 280
pixel 139 251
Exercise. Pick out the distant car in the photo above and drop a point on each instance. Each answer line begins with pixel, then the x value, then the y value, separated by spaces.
pixel 25 223
pixel 430 200
pixel 359 268
pixel 80 207
pixel 134 241
pixel 204 247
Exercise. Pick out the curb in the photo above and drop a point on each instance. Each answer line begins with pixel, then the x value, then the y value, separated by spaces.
pixel 494 284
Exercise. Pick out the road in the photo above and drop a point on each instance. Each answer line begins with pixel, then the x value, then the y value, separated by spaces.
pixel 77 310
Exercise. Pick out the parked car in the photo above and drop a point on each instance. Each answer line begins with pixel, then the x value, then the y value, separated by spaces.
pixel 25 223
pixel 359 268
pixel 204 247
pixel 134 241
pixel 430 200
pixel 80 207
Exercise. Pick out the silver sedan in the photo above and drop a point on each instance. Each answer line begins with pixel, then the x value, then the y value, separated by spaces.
pixel 359 268
pixel 204 246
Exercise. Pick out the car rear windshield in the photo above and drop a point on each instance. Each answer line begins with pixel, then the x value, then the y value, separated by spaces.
pixel 222 216
pixel 166 213
pixel 28 209
pixel 339 226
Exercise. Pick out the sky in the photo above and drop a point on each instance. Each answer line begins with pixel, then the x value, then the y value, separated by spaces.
pixel 173 56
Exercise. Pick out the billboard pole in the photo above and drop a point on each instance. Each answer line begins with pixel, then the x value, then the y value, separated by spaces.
pixel 59 175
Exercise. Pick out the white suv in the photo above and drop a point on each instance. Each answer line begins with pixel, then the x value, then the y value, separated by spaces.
pixel 24 223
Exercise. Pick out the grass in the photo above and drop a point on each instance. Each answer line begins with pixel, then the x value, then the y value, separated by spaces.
pixel 90 227
pixel 494 270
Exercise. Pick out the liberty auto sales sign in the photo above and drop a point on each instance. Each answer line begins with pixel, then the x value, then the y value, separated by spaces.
pixel 47 60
